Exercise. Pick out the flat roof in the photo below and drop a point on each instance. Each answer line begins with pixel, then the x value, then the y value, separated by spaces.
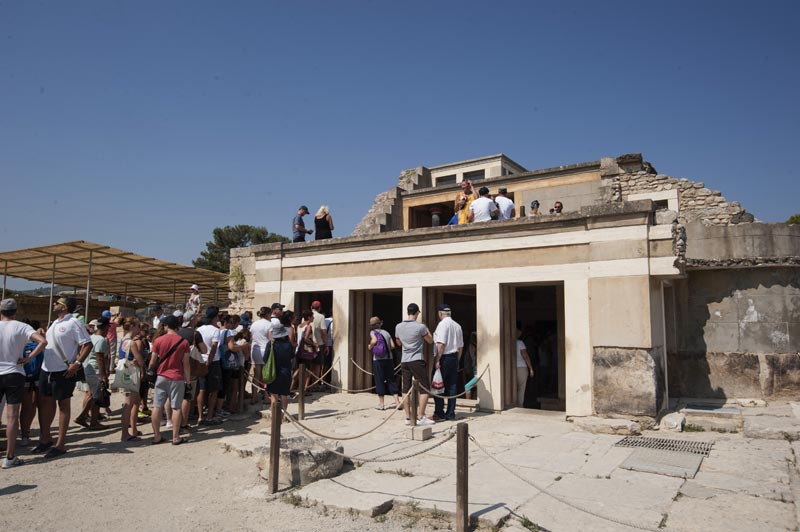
pixel 477 160
pixel 113 271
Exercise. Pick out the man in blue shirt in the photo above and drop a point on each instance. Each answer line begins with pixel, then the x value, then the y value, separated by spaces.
pixel 299 230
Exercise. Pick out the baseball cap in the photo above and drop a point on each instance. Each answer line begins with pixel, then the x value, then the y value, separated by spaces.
pixel 187 317
pixel 194 287
pixel 412 308
pixel 444 307
pixel 107 314
pixel 93 323
pixel 502 190
pixel 8 304
pixel 277 305
pixel 316 304
pixel 304 208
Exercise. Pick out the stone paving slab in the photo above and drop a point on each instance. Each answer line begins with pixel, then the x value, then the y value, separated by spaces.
pixel 330 494
pixel 726 512
pixel 673 464
pixel 772 427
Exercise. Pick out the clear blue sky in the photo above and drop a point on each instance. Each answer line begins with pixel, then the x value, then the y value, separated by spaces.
pixel 144 125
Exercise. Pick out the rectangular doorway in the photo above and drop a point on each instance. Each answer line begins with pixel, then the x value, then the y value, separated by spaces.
pixel 535 314
pixel 388 306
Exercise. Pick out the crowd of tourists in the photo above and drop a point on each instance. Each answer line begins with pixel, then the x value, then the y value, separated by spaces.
pixel 480 206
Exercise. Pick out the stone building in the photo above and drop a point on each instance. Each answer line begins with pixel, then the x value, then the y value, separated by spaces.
pixel 646 288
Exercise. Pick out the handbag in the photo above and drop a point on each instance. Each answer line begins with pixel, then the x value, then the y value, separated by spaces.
pixel 127 376
pixel 227 357
pixel 79 375
pixel 306 351
pixel 268 374
pixel 103 398
pixel 437 383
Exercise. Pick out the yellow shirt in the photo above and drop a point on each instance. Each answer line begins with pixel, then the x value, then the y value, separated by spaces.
pixel 463 214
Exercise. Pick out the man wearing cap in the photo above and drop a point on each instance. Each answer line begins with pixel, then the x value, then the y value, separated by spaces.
pixel 449 340
pixel 211 384
pixel 68 345
pixel 276 327
pixel 96 377
pixel 506 206
pixel 483 208
pixel 412 335
pixel 320 338
pixel 13 337
pixel 299 230
pixel 194 299
pixel 194 339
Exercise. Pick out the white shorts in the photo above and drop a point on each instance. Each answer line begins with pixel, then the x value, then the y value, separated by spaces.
pixel 257 355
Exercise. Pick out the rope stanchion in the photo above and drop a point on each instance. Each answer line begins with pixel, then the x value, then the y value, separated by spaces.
pixel 567 502
pixel 449 435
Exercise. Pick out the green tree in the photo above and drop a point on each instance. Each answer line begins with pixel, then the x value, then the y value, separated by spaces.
pixel 793 219
pixel 217 256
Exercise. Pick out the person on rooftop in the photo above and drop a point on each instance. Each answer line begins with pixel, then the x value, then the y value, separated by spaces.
pixel 506 206
pixel 483 208
pixel 323 223
pixel 299 230
pixel 463 200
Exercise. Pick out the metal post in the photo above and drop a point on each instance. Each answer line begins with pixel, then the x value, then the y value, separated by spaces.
pixel 52 285
pixel 414 402
pixel 216 297
pixel 175 293
pixel 301 392
pixel 88 288
pixel 5 275
pixel 125 295
pixel 274 444
pixel 462 477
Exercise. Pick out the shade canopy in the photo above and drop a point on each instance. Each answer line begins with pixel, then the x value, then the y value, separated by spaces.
pixel 109 270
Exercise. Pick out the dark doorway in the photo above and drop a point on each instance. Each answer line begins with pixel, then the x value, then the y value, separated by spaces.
pixel 303 300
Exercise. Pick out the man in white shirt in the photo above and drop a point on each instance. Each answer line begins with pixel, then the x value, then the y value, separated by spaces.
pixel 483 208
pixel 449 341
pixel 506 206
pixel 13 337
pixel 68 345
pixel 211 384
pixel 158 313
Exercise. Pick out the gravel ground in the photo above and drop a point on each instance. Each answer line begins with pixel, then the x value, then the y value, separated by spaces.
pixel 102 483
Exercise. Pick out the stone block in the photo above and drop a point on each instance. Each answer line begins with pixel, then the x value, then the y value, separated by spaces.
pixel 781 375
pixel 332 495
pixel 419 433
pixel 673 422
pixel 597 425
pixel 625 381
pixel 771 428
pixel 301 463
pixel 666 217
pixel 710 375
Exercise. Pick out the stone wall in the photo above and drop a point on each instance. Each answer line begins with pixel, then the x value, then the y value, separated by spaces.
pixel 631 175
pixel 627 381
pixel 738 333
pixel 386 212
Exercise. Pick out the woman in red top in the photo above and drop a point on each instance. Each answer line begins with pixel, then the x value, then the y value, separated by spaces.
pixel 171 361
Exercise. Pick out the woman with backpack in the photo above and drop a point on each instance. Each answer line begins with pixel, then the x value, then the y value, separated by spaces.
pixel 381 345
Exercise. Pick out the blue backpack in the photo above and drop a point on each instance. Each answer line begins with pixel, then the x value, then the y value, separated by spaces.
pixel 225 353
pixel 33 367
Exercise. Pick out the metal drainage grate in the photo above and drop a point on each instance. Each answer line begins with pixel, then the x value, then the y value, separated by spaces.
pixel 665 444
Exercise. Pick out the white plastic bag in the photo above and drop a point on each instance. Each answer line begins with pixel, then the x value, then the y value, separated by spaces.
pixel 437 384
pixel 127 376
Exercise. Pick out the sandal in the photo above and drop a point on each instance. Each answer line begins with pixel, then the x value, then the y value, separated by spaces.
pixel 54 452
pixel 154 442
pixel 180 441
pixel 133 438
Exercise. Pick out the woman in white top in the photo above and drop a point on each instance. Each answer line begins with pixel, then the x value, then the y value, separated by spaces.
pixel 524 371
pixel 259 332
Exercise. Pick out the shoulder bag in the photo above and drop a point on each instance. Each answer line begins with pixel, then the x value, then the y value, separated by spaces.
pixel 269 373
pixel 307 351
pixel 127 376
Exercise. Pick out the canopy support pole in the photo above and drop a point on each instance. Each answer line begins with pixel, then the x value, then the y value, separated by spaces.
pixel 175 293
pixel 5 275
pixel 88 287
pixel 125 295
pixel 52 286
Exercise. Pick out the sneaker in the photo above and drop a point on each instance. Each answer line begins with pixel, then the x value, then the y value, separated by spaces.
pixel 408 421
pixel 146 411
pixel 8 463
pixel 223 413
pixel 24 442
pixel 142 415
pixel 425 421
pixel 169 424
pixel 436 418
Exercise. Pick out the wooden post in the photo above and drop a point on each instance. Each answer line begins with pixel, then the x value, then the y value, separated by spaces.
pixel 274 444
pixel 414 402
pixel 462 478
pixel 301 391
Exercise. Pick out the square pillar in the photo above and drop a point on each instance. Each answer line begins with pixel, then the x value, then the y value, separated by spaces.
pixel 490 393
pixel 577 348
pixel 413 295
pixel 340 376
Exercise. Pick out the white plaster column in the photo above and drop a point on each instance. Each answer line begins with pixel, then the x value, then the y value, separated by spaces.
pixel 340 376
pixel 578 348
pixel 413 294
pixel 287 298
pixel 490 393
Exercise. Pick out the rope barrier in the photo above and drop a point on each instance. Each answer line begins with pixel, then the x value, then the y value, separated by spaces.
pixel 337 437
pixel 396 368
pixel 571 504
pixel 449 436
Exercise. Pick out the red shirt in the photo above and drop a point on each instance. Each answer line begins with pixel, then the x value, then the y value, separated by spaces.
pixel 171 368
